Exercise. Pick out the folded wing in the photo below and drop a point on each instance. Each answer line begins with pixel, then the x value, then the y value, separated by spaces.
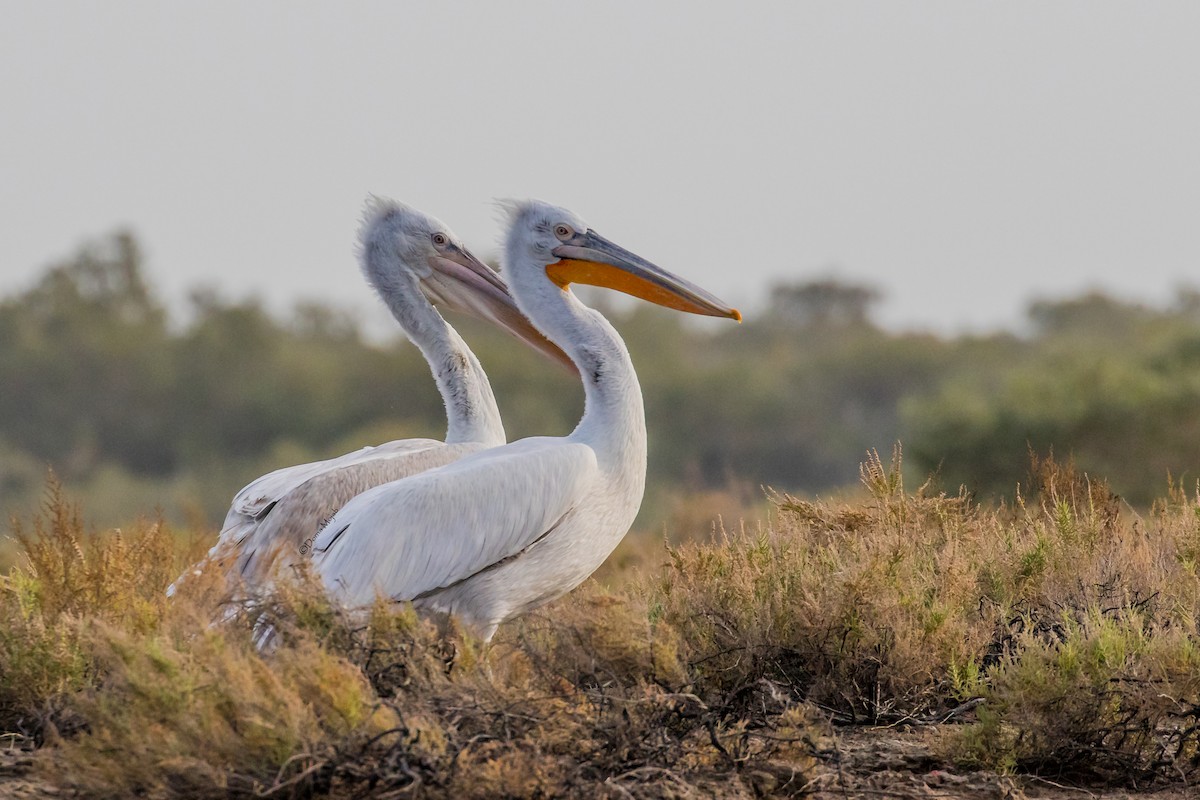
pixel 432 530
pixel 254 502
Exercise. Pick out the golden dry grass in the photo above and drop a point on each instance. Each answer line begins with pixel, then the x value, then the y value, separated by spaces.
pixel 1073 619
pixel 1058 633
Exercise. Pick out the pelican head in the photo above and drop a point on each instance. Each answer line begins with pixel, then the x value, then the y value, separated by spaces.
pixel 569 251
pixel 405 250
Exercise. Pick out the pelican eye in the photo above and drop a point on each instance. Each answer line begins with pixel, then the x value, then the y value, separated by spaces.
pixel 440 240
pixel 563 232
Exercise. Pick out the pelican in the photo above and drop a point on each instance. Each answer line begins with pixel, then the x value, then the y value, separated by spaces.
pixel 410 259
pixel 502 531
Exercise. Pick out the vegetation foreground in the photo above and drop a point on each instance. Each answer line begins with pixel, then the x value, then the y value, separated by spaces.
pixel 904 644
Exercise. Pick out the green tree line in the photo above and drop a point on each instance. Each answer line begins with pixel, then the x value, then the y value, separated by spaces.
pixel 135 409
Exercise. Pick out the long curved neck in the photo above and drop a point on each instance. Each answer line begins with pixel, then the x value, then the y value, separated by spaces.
pixel 471 411
pixel 614 417
pixel 470 405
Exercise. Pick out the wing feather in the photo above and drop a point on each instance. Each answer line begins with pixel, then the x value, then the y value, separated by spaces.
pixel 276 512
pixel 432 530
pixel 296 519
pixel 258 497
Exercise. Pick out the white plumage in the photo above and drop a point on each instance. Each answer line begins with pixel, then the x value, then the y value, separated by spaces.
pixel 505 530
pixel 410 258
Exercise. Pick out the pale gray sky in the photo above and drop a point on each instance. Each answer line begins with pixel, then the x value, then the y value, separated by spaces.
pixel 961 156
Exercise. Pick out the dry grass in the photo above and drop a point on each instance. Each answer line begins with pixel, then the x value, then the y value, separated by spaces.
pixel 68 580
pixel 1060 630
pixel 130 694
pixel 1071 617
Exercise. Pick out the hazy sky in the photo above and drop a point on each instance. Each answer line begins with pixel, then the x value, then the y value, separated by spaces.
pixel 961 156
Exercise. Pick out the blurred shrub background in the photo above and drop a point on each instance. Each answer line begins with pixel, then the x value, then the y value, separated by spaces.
pixel 135 407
